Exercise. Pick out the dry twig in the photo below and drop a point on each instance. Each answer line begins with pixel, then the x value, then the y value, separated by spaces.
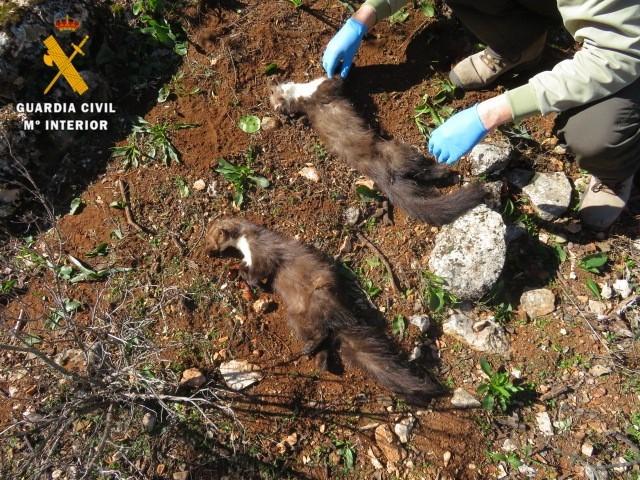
pixel 383 259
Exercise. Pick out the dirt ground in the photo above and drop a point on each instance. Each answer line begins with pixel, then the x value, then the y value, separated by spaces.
pixel 196 314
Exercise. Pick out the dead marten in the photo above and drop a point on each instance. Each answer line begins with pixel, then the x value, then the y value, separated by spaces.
pixel 309 286
pixel 401 172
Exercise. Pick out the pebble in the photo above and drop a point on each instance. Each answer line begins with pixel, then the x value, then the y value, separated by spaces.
pixel 181 476
pixel 199 185
pixel 491 338
pixel 387 442
pixel 352 215
pixel 544 423
pixel 537 303
pixel 587 448
pixel 239 374
pixel 599 370
pixel 509 445
pixel 403 428
pixel 262 305
pixel 486 158
pixel 192 378
pixel 269 123
pixel 606 291
pixel 446 458
pixel 149 421
pixel 463 399
pixel 310 173
pixel 622 288
pixel 597 307
pixel 550 194
pixel 423 322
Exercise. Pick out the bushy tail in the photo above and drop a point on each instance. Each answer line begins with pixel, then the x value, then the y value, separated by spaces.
pixel 372 351
pixel 436 210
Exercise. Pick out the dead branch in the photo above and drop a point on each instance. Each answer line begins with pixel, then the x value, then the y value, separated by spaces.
pixel 124 192
pixel 383 259
pixel 103 439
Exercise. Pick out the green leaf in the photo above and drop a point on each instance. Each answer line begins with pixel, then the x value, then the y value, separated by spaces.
pixel 488 403
pixel 102 249
pixel 398 326
pixel 249 123
pixel 71 305
pixel 183 188
pixel 119 204
pixel 593 288
pixel 560 252
pixel 348 458
pixel 238 198
pixel 117 234
pixel 427 8
pixel 76 205
pixel 181 48
pixel 6 286
pixel 486 367
pixel 400 16
pixel 260 181
pixel 366 194
pixel 271 69
pixel 164 93
pixel 594 262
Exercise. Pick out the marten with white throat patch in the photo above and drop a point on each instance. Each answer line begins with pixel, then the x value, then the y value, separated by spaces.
pixel 309 286
pixel 401 172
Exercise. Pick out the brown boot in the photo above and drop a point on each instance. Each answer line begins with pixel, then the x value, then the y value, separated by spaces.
pixel 602 204
pixel 481 69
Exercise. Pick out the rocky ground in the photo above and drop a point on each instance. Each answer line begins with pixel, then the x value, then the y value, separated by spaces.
pixel 128 353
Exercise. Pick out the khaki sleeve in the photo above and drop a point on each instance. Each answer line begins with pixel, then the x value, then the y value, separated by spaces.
pixel 608 61
pixel 385 8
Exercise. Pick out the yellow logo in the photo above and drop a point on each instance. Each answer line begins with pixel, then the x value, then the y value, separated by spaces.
pixel 56 56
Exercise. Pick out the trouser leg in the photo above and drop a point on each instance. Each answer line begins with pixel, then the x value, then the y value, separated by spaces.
pixel 605 135
pixel 507 26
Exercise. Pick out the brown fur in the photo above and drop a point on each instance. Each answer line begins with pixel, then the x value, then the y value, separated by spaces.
pixel 309 286
pixel 401 172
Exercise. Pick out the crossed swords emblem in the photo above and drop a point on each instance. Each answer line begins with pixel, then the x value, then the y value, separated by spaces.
pixel 56 56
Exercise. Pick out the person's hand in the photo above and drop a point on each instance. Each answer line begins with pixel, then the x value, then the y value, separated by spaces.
pixel 457 136
pixel 343 47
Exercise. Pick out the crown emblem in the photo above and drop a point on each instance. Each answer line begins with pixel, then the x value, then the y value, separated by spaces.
pixel 67 24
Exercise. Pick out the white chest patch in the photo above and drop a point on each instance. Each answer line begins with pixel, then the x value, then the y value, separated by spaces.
pixel 242 244
pixel 301 90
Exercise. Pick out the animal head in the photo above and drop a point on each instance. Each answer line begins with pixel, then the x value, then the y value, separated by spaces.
pixel 221 235
pixel 290 98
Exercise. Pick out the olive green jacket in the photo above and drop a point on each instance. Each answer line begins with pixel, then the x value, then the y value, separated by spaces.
pixel 609 60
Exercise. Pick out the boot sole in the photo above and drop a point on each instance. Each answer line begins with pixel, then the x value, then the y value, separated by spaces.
pixel 523 67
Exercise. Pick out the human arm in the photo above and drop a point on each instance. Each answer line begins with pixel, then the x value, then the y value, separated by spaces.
pixel 464 130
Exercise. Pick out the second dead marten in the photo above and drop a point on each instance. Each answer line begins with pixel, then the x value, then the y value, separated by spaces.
pixel 401 172
pixel 308 285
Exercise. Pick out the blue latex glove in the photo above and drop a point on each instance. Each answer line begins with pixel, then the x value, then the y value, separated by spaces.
pixel 457 136
pixel 343 47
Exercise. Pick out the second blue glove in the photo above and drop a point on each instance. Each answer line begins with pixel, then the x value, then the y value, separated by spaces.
pixel 343 47
pixel 457 136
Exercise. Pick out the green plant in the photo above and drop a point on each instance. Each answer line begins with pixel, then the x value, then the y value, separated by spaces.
pixel 435 294
pixel 503 313
pixel 633 431
pixel 175 86
pixel 430 113
pixel 57 315
pixel 498 391
pixel 593 288
pixel 271 68
pixel 100 250
pixel 427 7
pixel 76 206
pixel 510 459
pixel 297 3
pixel 183 188
pixel 347 452
pixel 400 16
pixel 399 325
pixel 129 152
pixel 241 176
pixel 6 286
pixel 150 14
pixel 80 272
pixel 156 139
pixel 593 263
pixel 249 123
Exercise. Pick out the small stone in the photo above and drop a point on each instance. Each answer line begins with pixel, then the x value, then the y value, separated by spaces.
pixel 239 374
pixel 559 150
pixel 537 303
pixel 519 177
pixel 446 458
pixel 509 445
pixel 181 476
pixel 374 460
pixel 469 253
pixel 387 442
pixel 56 474
pixel 493 198
pixel 486 158
pixel 606 291
pixel 463 399
pixel 492 338
pixel 352 215
pixel 262 305
pixel 502 472
pixel 595 473
pixel 550 194
pixel 149 421
pixel 423 322
pixel 199 185
pixel 310 173
pixel 269 123
pixel 587 448
pixel 544 423
pixel 596 307
pixel 624 465
pixel 599 370
pixel 622 288
pixel 403 428
pixel 416 353
pixel 192 378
